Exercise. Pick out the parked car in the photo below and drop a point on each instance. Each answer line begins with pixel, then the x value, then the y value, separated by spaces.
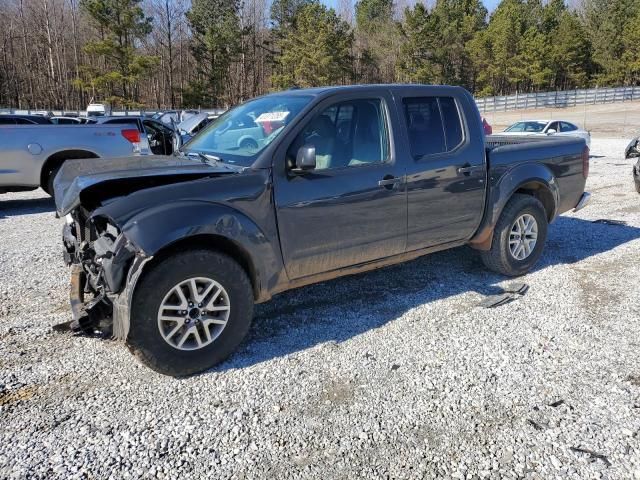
pixel 633 151
pixel 24 120
pixel 488 130
pixel 98 110
pixel 160 135
pixel 172 117
pixel 192 125
pixel 356 178
pixel 30 155
pixel 548 127
pixel 243 132
pixel 66 120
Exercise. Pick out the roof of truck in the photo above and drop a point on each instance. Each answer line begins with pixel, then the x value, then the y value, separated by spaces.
pixel 342 88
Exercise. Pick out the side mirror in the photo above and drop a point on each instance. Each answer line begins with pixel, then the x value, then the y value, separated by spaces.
pixel 305 159
pixel 551 131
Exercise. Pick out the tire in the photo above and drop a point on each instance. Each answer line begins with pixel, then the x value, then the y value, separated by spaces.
pixel 154 289
pixel 500 258
pixel 249 144
pixel 51 175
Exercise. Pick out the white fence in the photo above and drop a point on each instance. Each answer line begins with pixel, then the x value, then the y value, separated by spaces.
pixel 558 99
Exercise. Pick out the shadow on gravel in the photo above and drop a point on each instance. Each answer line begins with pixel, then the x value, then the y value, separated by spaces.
pixel 15 208
pixel 346 307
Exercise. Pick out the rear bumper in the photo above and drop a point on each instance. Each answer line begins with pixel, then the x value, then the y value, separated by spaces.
pixel 583 202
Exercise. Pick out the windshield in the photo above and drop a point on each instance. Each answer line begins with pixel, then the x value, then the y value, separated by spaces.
pixel 242 133
pixel 531 127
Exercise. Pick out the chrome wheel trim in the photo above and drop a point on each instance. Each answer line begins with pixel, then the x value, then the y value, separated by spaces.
pixel 523 237
pixel 193 313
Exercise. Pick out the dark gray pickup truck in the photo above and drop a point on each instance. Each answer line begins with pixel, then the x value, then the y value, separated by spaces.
pixel 295 188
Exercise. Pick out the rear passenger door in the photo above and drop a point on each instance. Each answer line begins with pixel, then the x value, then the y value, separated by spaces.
pixel 446 170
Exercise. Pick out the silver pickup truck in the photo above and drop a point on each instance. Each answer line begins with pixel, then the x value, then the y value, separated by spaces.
pixel 31 155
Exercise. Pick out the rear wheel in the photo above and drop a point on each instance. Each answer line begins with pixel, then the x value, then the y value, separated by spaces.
pixel 519 237
pixel 190 312
pixel 249 144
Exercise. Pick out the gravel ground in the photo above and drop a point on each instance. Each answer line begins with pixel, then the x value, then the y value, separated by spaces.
pixel 394 374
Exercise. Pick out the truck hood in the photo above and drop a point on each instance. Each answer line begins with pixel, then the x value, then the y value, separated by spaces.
pixel 95 180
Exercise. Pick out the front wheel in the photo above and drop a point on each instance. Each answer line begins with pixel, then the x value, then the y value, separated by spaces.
pixel 519 237
pixel 190 312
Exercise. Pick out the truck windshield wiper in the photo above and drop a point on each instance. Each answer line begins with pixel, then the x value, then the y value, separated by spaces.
pixel 206 158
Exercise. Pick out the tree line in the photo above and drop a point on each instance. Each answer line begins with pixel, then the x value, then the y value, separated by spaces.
pixel 215 53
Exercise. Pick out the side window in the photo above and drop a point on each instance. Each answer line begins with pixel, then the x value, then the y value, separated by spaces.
pixel 347 134
pixel 151 128
pixel 425 126
pixel 567 127
pixel 554 126
pixel 451 121
pixel 24 121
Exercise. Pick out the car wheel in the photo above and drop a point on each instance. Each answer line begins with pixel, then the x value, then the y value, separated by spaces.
pixel 50 177
pixel 249 144
pixel 636 180
pixel 190 312
pixel 519 237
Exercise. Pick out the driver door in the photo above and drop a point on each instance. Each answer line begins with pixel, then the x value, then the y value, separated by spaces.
pixel 352 208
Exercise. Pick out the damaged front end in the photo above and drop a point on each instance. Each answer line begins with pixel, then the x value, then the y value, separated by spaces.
pixel 105 266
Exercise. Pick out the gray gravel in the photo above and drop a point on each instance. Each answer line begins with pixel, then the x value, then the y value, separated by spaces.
pixel 393 374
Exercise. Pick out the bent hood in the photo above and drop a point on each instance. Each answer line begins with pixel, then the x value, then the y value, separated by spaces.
pixel 103 178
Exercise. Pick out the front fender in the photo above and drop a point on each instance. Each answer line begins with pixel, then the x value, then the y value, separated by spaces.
pixel 502 186
pixel 161 226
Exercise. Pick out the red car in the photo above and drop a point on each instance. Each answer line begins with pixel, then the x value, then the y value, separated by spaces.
pixel 487 128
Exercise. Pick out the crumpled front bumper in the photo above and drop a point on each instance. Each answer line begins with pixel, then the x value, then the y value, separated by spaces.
pixel 103 276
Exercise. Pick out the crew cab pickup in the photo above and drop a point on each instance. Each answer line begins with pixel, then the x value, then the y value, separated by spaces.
pixel 175 251
pixel 31 155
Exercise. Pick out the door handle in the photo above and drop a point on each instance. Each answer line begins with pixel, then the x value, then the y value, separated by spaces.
pixel 468 169
pixel 389 181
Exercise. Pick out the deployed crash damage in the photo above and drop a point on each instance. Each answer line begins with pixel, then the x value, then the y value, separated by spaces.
pixel 105 262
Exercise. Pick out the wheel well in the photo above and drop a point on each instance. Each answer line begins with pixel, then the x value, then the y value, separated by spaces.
pixel 216 243
pixel 542 193
pixel 58 159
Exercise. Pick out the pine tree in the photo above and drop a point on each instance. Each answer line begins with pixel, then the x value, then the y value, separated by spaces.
pixel 606 21
pixel 120 24
pixel 418 57
pixel 435 48
pixel 316 50
pixel 215 46
pixel 377 40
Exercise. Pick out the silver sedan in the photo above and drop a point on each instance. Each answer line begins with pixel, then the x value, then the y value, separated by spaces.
pixel 548 127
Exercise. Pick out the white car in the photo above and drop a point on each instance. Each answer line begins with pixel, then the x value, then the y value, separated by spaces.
pixel 548 127
pixel 98 110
